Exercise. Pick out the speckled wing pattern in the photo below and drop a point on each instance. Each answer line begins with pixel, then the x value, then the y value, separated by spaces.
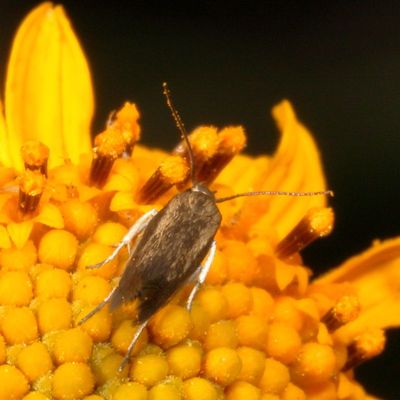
pixel 171 248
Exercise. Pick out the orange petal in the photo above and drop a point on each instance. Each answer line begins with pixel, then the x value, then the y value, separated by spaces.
pixel 4 153
pixel 296 166
pixel 48 87
pixel 375 275
pixel 20 232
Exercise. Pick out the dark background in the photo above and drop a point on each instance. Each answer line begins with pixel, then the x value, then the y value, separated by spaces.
pixel 230 62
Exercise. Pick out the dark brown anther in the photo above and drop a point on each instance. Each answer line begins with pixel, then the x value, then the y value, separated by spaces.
pixel 31 186
pixel 109 145
pixel 231 141
pixel 347 309
pixel 367 345
pixel 173 170
pixel 35 156
pixel 317 223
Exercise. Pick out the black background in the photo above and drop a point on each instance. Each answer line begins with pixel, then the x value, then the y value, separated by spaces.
pixel 230 62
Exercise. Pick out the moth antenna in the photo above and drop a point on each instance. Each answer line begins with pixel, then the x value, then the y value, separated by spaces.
pixel 275 193
pixel 180 125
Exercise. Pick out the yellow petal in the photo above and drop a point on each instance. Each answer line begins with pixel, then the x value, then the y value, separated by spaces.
pixel 296 166
pixel 284 274
pixel 122 201
pixel 51 216
pixel 20 232
pixel 4 153
pixel 5 242
pixel 375 275
pixel 48 87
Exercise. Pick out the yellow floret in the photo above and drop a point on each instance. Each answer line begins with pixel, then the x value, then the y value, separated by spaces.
pixel 13 384
pixel 286 311
pixel 252 331
pixel 106 368
pixel 19 259
pixel 15 288
pixel 53 283
pixel 3 350
pixel 122 336
pixel 292 392
pixel 93 397
pixel 72 345
pixel 53 315
pixel 200 322
pixel 58 247
pixel 221 334
pixel 199 389
pixel 35 396
pixel 218 272
pixel 19 326
pixel 164 391
pixel 213 302
pixel 184 360
pixel 253 363
pixel 131 391
pixel 242 265
pixel 109 233
pixel 170 325
pixel 262 303
pixel 283 342
pixel 269 396
pixel 275 377
pixel 95 253
pixel 99 325
pixel 238 297
pixel 72 381
pixel 222 365
pixel 34 361
pixel 315 363
pixel 241 390
pixel 149 369
pixel 91 289
pixel 80 217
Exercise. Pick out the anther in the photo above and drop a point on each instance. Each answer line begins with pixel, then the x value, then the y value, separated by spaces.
pixel 173 170
pixel 204 143
pixel 35 155
pixel 347 309
pixel 231 141
pixel 369 344
pixel 126 121
pixel 31 185
pixel 317 223
pixel 109 145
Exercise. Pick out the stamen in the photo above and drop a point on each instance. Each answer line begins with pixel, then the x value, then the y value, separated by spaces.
pixel 317 223
pixel 346 310
pixel 109 145
pixel 171 171
pixel 369 344
pixel 31 185
pixel 204 143
pixel 231 141
pixel 35 155
pixel 126 121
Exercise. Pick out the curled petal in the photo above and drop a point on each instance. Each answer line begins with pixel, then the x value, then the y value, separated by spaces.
pixel 296 166
pixel 49 93
pixel 375 276
pixel 20 232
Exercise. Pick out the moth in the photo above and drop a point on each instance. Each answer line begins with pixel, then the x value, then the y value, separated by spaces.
pixel 176 246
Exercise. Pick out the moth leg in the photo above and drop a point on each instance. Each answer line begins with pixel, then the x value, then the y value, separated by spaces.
pixel 201 272
pixel 134 231
pixel 97 308
pixel 134 340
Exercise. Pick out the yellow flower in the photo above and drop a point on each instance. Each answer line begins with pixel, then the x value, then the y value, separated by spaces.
pixel 258 329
